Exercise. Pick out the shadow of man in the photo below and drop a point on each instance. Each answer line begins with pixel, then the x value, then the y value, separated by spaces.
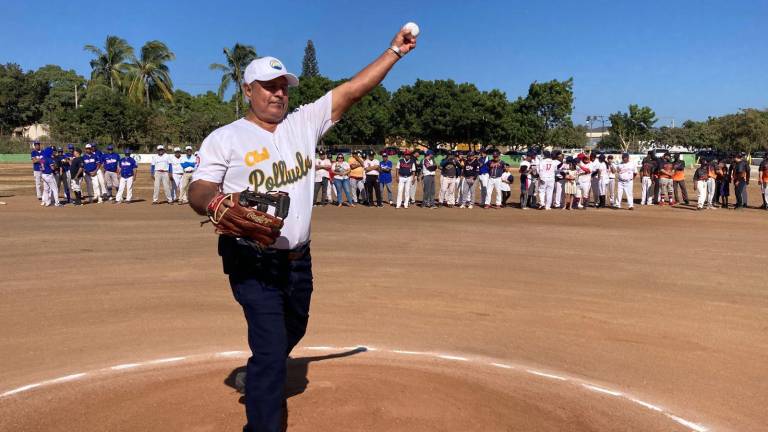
pixel 296 378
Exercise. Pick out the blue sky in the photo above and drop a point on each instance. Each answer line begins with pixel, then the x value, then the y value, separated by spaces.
pixel 685 59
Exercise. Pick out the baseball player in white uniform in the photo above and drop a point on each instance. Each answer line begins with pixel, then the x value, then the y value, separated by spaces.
pixel 177 172
pixel 626 172
pixel 271 151
pixel 547 172
pixel 160 167
pixel 584 181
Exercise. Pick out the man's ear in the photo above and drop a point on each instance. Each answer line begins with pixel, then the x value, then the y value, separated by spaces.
pixel 247 91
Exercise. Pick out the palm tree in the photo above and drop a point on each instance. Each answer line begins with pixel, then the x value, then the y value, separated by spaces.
pixel 237 60
pixel 109 63
pixel 148 75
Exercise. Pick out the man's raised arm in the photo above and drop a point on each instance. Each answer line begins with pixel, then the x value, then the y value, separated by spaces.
pixel 347 94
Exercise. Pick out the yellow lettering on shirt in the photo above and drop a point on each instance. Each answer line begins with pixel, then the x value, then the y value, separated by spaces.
pixel 281 174
pixel 254 157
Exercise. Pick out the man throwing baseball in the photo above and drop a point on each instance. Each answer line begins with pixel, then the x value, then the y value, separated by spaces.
pixel 268 258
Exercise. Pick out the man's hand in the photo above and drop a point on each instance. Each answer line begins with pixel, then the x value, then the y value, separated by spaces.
pixel 232 219
pixel 405 41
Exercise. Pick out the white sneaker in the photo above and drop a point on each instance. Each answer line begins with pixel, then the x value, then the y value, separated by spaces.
pixel 397 207
pixel 462 206
pixel 42 204
pixel 470 206
pixel 101 200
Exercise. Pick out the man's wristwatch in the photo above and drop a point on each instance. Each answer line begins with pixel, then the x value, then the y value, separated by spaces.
pixel 395 49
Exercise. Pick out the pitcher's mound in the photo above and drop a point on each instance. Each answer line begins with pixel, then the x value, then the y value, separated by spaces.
pixel 372 393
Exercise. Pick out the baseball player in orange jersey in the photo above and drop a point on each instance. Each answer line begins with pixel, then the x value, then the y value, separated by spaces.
pixel 678 179
pixel 763 180
pixel 665 172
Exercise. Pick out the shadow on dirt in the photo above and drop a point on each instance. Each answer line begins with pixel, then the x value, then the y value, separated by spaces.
pixel 298 368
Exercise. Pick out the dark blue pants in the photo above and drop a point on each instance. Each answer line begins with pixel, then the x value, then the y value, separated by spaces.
pixel 740 186
pixel 274 288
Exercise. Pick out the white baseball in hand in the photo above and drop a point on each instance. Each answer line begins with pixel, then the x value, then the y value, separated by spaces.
pixel 412 28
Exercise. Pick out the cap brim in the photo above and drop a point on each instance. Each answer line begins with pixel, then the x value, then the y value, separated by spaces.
pixel 293 81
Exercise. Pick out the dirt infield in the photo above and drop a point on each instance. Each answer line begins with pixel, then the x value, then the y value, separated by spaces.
pixel 665 306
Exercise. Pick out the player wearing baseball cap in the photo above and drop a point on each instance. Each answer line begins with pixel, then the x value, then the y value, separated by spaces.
pixel 267 257
pixel 740 171
pixel 763 181
pixel 128 167
pixel 91 167
pixel 496 167
pixel 547 173
pixel 405 169
pixel 37 156
pixel 429 168
pixel 159 170
pixel 111 177
pixel 371 167
pixel 626 171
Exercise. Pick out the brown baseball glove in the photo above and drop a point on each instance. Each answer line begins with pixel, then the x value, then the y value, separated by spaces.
pixel 233 219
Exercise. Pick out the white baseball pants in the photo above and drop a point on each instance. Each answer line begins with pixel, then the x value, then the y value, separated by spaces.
pixel 711 191
pixel 38 183
pixel 126 185
pixel 448 190
pixel 50 189
pixel 112 181
pixel 102 182
pixel 176 186
pixel 703 193
pixel 162 180
pixel 646 193
pixel 403 190
pixel 94 187
pixel 559 192
pixel 546 189
pixel 584 188
pixel 494 184
pixel 624 187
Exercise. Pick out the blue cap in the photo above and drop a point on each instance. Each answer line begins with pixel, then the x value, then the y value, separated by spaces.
pixel 70 146
pixel 127 151
pixel 109 147
pixel 429 152
pixel 625 155
pixel 36 142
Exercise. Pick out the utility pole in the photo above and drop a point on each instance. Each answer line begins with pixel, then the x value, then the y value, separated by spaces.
pixel 76 102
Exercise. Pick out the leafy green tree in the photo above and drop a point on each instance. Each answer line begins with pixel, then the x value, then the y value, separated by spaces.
pixel 309 66
pixel 745 131
pixel 149 75
pixel 367 122
pixel 21 97
pixel 552 103
pixel 61 87
pixel 237 60
pixel 109 63
pixel 309 90
pixel 633 127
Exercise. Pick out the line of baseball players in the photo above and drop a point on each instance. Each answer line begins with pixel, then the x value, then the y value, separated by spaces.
pixel 547 181
pixel 107 176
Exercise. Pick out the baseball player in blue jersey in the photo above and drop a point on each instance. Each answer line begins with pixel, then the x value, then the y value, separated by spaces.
pixel 128 167
pixel 91 167
pixel 111 177
pixel 48 168
pixel 100 172
pixel 36 156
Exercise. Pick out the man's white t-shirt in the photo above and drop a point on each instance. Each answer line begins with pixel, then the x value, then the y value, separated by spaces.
pixel 371 163
pixel 320 174
pixel 161 163
pixel 547 169
pixel 242 155
pixel 176 165
pixel 627 171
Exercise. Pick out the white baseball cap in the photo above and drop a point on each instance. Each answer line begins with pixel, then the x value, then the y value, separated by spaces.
pixel 266 69
pixel 160 147
pixel 176 149
pixel 86 146
pixel 188 148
